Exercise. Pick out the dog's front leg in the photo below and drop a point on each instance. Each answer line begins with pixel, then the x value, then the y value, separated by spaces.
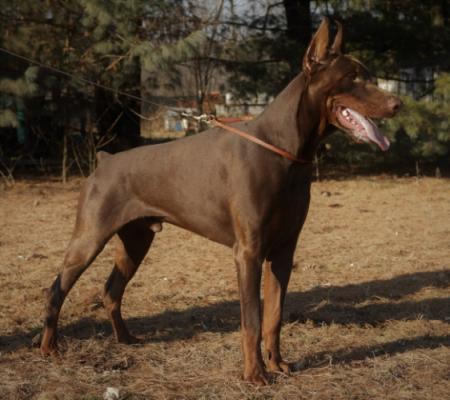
pixel 276 278
pixel 249 265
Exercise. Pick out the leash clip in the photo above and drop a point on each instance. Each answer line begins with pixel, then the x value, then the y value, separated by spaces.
pixel 207 118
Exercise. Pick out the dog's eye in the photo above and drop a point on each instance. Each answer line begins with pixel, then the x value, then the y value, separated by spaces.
pixel 352 76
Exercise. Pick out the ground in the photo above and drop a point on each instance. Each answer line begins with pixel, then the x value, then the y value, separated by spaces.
pixel 367 315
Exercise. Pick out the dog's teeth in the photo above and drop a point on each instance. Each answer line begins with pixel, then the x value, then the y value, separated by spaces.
pixel 345 113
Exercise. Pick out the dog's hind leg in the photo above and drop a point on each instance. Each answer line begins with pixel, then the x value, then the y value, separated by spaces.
pixel 93 228
pixel 134 240
pixel 81 252
pixel 276 278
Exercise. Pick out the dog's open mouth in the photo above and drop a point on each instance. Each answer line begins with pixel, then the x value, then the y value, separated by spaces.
pixel 361 128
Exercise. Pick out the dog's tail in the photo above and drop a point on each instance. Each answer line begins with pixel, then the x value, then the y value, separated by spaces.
pixel 102 155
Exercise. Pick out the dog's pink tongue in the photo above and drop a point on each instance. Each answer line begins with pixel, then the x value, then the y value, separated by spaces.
pixel 376 136
pixel 365 127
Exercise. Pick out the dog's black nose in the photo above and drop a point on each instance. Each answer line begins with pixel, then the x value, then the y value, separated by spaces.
pixel 394 104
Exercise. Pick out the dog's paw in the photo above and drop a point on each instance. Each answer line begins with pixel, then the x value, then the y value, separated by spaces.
pixel 128 339
pixel 279 367
pixel 258 376
pixel 47 342
pixel 47 351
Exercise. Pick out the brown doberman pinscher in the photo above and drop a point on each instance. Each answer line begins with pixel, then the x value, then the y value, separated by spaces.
pixel 229 190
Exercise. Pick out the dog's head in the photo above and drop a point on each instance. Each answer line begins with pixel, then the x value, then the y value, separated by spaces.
pixel 344 86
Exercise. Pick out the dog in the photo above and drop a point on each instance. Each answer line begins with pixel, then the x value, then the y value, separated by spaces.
pixel 229 190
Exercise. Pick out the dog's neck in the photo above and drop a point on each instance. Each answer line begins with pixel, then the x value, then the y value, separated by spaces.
pixel 293 120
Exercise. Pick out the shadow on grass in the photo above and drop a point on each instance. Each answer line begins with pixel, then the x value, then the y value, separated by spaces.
pixel 352 354
pixel 334 304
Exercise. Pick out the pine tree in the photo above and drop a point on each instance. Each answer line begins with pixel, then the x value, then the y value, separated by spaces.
pixel 426 123
pixel 105 41
pixel 13 93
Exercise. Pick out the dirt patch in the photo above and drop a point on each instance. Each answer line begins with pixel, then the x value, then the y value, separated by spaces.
pixel 367 315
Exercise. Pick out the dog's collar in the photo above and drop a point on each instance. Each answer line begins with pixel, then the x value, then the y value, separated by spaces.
pixel 281 152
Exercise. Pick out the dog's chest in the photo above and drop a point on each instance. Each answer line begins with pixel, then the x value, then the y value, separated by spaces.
pixel 290 211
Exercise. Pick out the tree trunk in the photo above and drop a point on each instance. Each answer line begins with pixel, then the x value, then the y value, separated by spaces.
pixel 64 158
pixel 298 18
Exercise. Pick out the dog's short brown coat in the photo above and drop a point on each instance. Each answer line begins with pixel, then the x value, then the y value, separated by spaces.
pixel 226 189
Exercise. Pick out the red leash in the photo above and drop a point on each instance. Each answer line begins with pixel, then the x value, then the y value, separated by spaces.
pixel 262 143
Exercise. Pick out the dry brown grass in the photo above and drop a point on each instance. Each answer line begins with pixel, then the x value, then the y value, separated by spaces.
pixel 367 315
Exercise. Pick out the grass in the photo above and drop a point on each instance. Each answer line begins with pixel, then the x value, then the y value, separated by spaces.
pixel 367 314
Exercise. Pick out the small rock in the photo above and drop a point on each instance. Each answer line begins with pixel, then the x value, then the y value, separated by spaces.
pixel 111 393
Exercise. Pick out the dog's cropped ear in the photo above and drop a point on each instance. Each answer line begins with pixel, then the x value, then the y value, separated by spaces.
pixel 338 45
pixel 318 48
